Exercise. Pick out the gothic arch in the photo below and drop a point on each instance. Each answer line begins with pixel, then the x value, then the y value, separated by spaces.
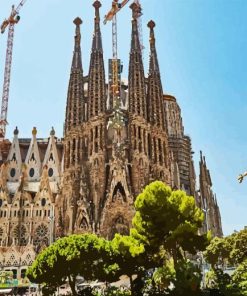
pixel 83 224
pixel 20 235
pixel 119 191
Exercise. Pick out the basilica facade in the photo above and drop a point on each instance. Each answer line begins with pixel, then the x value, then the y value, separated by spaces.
pixel 87 181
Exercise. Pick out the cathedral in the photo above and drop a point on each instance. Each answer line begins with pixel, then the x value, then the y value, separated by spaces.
pixel 111 149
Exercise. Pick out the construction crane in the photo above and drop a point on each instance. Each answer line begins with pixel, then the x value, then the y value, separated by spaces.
pixel 10 22
pixel 241 177
pixel 112 16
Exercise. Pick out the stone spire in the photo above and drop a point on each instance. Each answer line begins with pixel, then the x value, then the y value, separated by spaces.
pixel 97 40
pixel 75 104
pixel 208 199
pixel 137 94
pixel 96 85
pixel 155 91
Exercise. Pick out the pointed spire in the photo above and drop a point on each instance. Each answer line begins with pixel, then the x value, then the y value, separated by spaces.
pixel 201 159
pixel 153 63
pixel 135 40
pixel 96 85
pixel 137 88
pixel 156 112
pixel 16 132
pixel 75 109
pixel 97 40
pixel 52 132
pixel 77 63
pixel 216 202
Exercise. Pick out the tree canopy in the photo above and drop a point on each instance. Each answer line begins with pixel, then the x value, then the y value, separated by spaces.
pixel 69 257
pixel 170 219
pixel 166 224
pixel 222 252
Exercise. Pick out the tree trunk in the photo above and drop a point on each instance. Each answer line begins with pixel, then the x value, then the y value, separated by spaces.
pixel 72 285
pixel 174 256
pixel 131 285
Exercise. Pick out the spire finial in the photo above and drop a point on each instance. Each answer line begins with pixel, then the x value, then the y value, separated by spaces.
pixel 77 21
pixel 97 42
pixel 16 131
pixel 76 63
pixel 135 10
pixel 34 131
pixel 151 25
pixel 201 155
pixel 52 132
pixel 97 6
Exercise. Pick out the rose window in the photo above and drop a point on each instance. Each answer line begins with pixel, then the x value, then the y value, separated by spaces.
pixel 41 235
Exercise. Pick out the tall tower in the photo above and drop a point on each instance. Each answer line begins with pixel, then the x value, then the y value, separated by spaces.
pixel 138 131
pixel 75 109
pixel 158 140
pixel 137 93
pixel 96 77
pixel 75 112
pixel 155 90
pixel 96 121
pixel 73 141
pixel 208 200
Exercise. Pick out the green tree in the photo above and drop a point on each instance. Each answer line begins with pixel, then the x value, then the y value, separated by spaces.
pixel 129 255
pixel 68 257
pixel 218 252
pixel 230 250
pixel 163 276
pixel 239 247
pixel 168 219
pixel 239 279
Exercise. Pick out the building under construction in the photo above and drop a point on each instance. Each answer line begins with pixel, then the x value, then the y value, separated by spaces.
pixel 118 137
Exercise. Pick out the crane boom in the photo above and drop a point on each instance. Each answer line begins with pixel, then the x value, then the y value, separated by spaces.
pixel 112 16
pixel 11 21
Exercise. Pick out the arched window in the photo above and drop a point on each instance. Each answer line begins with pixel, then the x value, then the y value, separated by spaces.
pixel 83 224
pixel 20 235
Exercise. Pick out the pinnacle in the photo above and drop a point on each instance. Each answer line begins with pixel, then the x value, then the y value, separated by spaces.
pixel 77 21
pixel 135 10
pixel 34 131
pixel 52 132
pixel 97 4
pixel 151 24
pixel 16 131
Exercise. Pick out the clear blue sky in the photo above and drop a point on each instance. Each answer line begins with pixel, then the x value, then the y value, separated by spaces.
pixel 202 48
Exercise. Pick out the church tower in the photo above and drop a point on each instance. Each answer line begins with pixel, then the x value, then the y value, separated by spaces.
pixel 158 140
pixel 138 130
pixel 73 141
pixel 95 129
pixel 208 200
